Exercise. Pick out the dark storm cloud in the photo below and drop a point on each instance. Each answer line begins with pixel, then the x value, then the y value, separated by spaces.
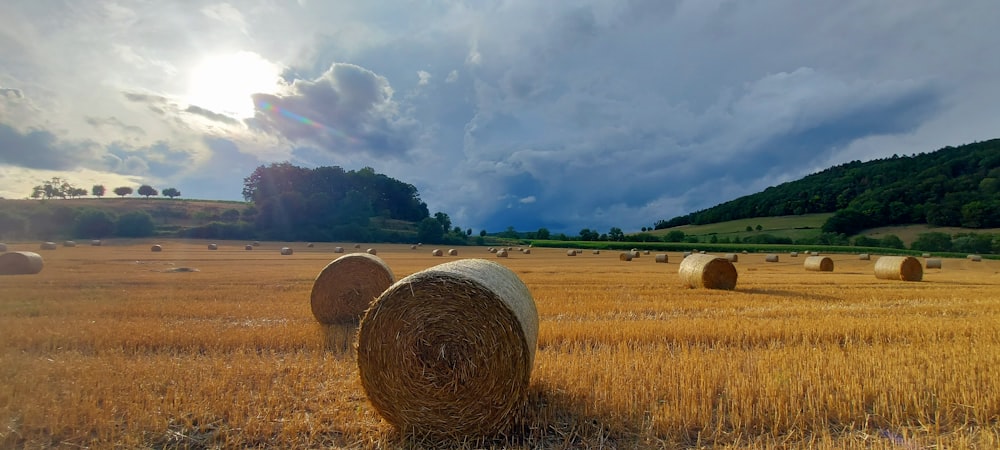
pixel 40 149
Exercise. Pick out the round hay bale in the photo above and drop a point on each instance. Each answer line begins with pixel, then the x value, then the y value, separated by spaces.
pixel 256 243
pixel 20 263
pixel 213 246
pixel 96 242
pixel 570 252
pixel 625 256
pixel 745 252
pixel 357 246
pixel 526 251
pixel 813 253
pixel 772 258
pixel 819 264
pixel 596 252
pixel 48 246
pixel 286 251
pixel 925 255
pixel 491 250
pixel 345 288
pixel 732 257
pixel 865 257
pixel 156 248
pixel 974 258
pixel 69 243
pixel 3 247
pixel 501 253
pixel 933 263
pixel 635 254
pixel 905 268
pixel 248 247
pixel 448 351
pixel 437 252
pixel 371 251
pixel 419 244
pixel 338 249
pixel 452 252
pixel 310 245
pixel 413 247
pixel 793 255
pixel 702 252
pixel 708 271
pixel 661 257
pixel 686 254
pixel 645 252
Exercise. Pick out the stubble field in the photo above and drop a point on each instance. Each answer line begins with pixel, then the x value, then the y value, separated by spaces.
pixel 113 347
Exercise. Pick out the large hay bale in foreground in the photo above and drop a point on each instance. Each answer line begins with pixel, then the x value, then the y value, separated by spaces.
pixel 819 263
pixel 771 258
pixel 156 248
pixel 345 288
pixel 286 251
pixel 20 263
pixel 625 256
pixel 708 271
pixel 448 351
pixel 905 268
pixel 48 246
pixel 661 257
pixel 933 263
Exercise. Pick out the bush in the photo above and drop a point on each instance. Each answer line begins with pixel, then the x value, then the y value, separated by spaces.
pixel 932 242
pixel 94 224
pixel 135 224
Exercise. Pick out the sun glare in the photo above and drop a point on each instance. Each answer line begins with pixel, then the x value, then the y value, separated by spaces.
pixel 224 83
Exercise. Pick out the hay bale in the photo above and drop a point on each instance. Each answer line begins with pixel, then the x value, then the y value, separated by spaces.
pixel 413 247
pixel 248 247
pixel 925 255
pixel 3 247
pixel 213 246
pixel 570 252
pixel 20 263
pixel 635 254
pixel 905 268
pixel 69 243
pixel 338 249
pixel 661 257
pixel 813 253
pixel 448 351
pixel 708 271
pixel 596 252
pixel 452 252
pixel 345 288
pixel 437 252
pixel 48 246
pixel 686 254
pixel 819 264
pixel 286 251
pixel 933 263
pixel 771 258
pixel 865 257
pixel 793 255
pixel 371 251
pixel 645 252
pixel 156 248
pixel 625 256
pixel 974 258
pixel 310 245
pixel 732 257
pixel 256 243
pixel 526 251
pixel 491 250
pixel 357 246
pixel 501 253
pixel 745 252
pixel 96 242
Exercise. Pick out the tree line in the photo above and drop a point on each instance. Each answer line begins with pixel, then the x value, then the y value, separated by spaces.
pixel 60 188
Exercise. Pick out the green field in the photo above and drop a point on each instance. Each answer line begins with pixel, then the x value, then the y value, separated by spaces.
pixel 794 227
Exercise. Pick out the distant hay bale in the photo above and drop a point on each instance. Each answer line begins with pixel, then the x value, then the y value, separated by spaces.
pixel 452 252
pixel 645 252
pixel 708 271
pixel 310 245
pixel 745 252
pixel 69 243
pixel 974 258
pixel 635 254
pixel 48 246
pixel 213 246
pixel 813 253
pixel 96 242
pixel 819 264
pixel 625 256
pixel 865 257
pixel 905 268
pixel 925 255
pixel 419 244
pixel 20 263
pixel 570 252
pixel 448 351
pixel 702 252
pixel 437 252
pixel 286 251
pixel 933 263
pixel 345 288
pixel 3 247
pixel 357 246
pixel 661 257
pixel 732 257
pixel 413 247
pixel 501 253
pixel 771 258
pixel 256 243
pixel 596 252
pixel 686 254
pixel 491 250
pixel 248 247
pixel 793 255
pixel 526 251
pixel 371 251
pixel 338 249
pixel 156 248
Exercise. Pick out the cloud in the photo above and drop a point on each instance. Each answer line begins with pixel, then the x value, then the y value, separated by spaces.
pixel 424 76
pixel 40 149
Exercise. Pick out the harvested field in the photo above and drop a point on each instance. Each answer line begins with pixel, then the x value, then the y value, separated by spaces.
pixel 116 350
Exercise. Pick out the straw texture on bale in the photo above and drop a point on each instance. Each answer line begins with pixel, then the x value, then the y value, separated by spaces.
pixel 708 271
pixel 933 263
pixel 371 251
pixel 345 288
pixel 975 258
pixel 248 247
pixel 20 263
pixel 732 257
pixel 625 256
pixel 338 249
pixel 437 252
pixel 213 246
pixel 865 257
pixel 286 251
pixel 661 257
pixel 501 253
pixel 156 248
pixel 771 258
pixel 570 252
pixel 819 264
pixel 452 252
pixel 448 351
pixel 905 268
pixel 69 243
pixel 48 246
pixel 96 242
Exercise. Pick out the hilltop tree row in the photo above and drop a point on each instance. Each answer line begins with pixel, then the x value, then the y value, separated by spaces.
pixel 60 188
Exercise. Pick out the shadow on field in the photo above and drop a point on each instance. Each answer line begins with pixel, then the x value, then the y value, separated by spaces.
pixel 789 294
pixel 338 338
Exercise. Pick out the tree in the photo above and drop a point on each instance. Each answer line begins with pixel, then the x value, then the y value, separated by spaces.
pixel 749 228
pixel 123 191
pixel 147 190
pixel 444 220
pixel 77 192
pixel 97 190
pixel 56 187
pixel 468 232
pixel 933 241
pixel 891 241
pixel 482 233
pixel 758 227
pixel 93 223
pixel 171 192
pixel 587 234
pixel 676 236
pixel 616 234
pixel 11 224
pixel 543 233
pixel 429 230
pixel 135 224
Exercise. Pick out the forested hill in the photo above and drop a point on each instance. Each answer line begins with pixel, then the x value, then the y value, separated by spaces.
pixel 953 186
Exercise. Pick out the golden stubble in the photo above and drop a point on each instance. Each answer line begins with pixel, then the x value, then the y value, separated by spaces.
pixel 111 346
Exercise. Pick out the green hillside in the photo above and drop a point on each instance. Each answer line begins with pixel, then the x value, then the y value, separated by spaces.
pixel 794 227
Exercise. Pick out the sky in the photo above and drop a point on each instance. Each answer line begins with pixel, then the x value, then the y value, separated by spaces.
pixel 503 113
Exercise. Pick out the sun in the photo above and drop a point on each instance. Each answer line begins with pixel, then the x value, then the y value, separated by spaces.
pixel 224 83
